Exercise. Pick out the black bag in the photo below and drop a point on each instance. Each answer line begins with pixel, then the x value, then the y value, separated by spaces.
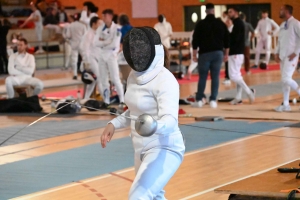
pixel 20 105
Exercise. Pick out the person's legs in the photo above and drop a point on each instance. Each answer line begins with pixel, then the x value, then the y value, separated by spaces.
pixel 259 47
pixel 203 67
pixel 268 45
pixel 114 73
pixel 154 172
pixel 90 87
pixel 103 78
pixel 247 58
pixel 68 52
pixel 39 37
pixel 226 71
pixel 74 59
pixel 215 68
pixel 10 82
pixel 37 84
pixel 191 68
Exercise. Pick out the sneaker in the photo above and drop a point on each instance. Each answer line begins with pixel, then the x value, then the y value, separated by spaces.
pixel 39 51
pixel 199 104
pixel 252 96
pixel 213 104
pixel 226 82
pixel 283 108
pixel 254 67
pixel 74 77
pixel 236 102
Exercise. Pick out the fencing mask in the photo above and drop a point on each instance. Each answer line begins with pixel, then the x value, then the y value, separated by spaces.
pixel 139 47
pixel 88 77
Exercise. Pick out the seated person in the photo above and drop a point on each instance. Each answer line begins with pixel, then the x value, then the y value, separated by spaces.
pixel 21 66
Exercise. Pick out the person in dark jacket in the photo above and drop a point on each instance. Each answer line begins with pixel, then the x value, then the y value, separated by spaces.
pixel 212 38
pixel 4 27
pixel 236 57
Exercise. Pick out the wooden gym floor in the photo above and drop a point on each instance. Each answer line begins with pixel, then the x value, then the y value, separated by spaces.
pixel 202 170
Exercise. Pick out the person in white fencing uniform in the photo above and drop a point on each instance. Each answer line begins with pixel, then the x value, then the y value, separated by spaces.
pixel 36 17
pixel 90 54
pixel 75 33
pixel 108 40
pixel 21 67
pixel 266 28
pixel 158 156
pixel 89 11
pixel 236 57
pixel 164 29
pixel 287 54
pixel 67 46
pixel 193 64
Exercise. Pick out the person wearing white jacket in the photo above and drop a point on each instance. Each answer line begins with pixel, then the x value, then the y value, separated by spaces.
pixel 151 89
pixel 89 11
pixel 266 28
pixel 90 56
pixel 287 54
pixel 75 33
pixel 108 39
pixel 164 29
pixel 21 67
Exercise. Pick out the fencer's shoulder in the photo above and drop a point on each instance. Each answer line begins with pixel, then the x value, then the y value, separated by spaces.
pixel 166 76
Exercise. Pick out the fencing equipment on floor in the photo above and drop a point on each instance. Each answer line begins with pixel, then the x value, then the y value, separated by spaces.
pixel 75 33
pixel 165 31
pixel 90 57
pixel 158 156
pixel 265 40
pixel 21 68
pixel 38 26
pixel 108 59
pixel 288 43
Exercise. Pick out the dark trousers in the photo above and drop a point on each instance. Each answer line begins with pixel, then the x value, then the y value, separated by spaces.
pixel 226 71
pixel 212 62
pixel 3 61
pixel 247 59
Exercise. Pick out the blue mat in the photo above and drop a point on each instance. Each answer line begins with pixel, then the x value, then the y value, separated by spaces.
pixel 48 129
pixel 41 173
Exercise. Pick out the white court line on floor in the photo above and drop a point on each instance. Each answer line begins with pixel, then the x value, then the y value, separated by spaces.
pixel 131 169
pixel 255 174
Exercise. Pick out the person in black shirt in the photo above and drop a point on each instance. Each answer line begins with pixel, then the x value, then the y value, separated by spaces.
pixel 236 57
pixel 4 28
pixel 212 38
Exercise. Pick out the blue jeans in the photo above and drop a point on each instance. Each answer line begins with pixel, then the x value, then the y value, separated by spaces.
pixel 212 62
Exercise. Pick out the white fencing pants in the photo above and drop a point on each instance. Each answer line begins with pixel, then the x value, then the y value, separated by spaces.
pixel 192 66
pixel 234 66
pixel 68 52
pixel 96 70
pixel 263 43
pixel 74 60
pixel 153 173
pixel 12 81
pixel 287 69
pixel 39 36
pixel 109 67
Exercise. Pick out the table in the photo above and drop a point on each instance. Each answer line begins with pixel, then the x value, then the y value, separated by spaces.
pixel 264 186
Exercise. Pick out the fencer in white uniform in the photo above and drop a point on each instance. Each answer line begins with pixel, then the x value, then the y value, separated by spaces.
pixel 266 28
pixel 21 66
pixel 36 17
pixel 158 156
pixel 164 29
pixel 236 57
pixel 89 11
pixel 193 64
pixel 67 46
pixel 75 33
pixel 287 54
pixel 108 40
pixel 90 54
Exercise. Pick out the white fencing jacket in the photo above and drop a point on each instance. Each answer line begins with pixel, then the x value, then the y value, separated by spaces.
pixel 165 30
pixel 266 25
pixel 88 47
pixel 74 33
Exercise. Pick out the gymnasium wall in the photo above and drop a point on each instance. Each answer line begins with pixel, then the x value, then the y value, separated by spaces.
pixel 173 9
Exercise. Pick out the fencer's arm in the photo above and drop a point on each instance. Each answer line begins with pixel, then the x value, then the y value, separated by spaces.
pixel 11 66
pixel 30 18
pixel 167 99
pixel 120 121
pixel 170 30
pixel 30 66
pixel 87 41
pixel 297 31
pixel 275 26
pixel 257 27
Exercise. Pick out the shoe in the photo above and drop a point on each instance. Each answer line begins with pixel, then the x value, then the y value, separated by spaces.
pixel 236 102
pixel 74 77
pixel 199 104
pixel 254 67
pixel 226 82
pixel 63 68
pixel 248 72
pixel 252 96
pixel 283 108
pixel 39 51
pixel 213 104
